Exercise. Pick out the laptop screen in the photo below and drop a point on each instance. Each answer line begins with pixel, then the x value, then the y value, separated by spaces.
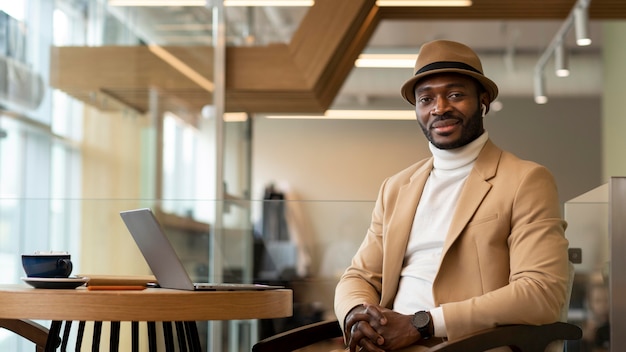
pixel 156 249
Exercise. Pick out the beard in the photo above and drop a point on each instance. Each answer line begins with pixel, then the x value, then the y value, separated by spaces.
pixel 471 130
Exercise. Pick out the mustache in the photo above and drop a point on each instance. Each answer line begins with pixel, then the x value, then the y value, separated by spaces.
pixel 445 117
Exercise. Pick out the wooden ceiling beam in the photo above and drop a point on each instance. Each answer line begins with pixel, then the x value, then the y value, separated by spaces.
pixel 312 67
pixel 303 76
pixel 508 10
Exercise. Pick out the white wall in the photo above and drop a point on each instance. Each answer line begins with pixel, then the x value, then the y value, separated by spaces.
pixel 332 159
pixel 613 105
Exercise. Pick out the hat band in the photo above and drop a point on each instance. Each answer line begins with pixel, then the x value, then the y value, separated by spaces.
pixel 446 64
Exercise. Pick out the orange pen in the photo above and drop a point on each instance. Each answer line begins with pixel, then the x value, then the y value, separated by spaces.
pixel 118 287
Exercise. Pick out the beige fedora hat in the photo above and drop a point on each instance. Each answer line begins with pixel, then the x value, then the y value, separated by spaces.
pixel 441 56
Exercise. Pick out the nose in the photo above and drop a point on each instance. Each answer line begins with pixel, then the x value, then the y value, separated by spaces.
pixel 440 107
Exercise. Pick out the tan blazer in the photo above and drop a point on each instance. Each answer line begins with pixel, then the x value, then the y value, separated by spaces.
pixel 505 255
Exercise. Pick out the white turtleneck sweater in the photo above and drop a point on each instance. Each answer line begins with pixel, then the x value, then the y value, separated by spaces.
pixel 430 226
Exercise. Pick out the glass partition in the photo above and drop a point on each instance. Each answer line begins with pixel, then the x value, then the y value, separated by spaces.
pixel 596 231
pixel 588 234
pixel 105 107
pixel 307 253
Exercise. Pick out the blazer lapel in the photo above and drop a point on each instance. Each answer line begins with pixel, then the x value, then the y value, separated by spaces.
pixel 474 191
pixel 397 235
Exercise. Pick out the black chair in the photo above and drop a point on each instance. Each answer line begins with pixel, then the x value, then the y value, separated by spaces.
pixel 520 338
pixel 184 335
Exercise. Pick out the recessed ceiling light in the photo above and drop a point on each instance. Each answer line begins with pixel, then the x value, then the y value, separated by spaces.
pixel 157 2
pixel 251 3
pixel 425 3
pixel 354 115
pixel 386 60
pixel 247 3
pixel 292 3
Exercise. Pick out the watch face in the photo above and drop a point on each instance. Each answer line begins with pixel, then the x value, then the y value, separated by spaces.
pixel 421 320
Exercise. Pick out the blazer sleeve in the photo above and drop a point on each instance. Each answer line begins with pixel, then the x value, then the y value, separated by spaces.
pixel 362 280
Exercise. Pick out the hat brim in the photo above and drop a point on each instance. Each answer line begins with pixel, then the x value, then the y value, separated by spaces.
pixel 408 88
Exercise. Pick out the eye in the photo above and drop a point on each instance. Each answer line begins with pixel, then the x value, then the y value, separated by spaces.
pixel 424 100
pixel 456 95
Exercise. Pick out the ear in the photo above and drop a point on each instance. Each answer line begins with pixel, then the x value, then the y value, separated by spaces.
pixel 484 105
pixel 483 100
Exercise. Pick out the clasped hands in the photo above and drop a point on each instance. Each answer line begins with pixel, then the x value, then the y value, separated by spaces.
pixel 373 328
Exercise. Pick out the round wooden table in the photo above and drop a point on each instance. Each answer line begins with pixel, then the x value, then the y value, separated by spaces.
pixel 151 304
pixel 21 303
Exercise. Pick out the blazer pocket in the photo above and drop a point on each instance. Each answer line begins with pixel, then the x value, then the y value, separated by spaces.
pixel 483 219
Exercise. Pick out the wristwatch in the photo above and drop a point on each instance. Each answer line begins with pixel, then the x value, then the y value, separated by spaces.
pixel 422 321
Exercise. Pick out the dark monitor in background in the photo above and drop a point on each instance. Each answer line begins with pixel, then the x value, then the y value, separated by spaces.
pixel 274 260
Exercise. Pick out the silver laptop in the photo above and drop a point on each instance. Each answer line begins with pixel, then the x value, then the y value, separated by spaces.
pixel 163 260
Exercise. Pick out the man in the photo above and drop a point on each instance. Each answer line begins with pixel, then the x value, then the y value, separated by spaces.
pixel 468 239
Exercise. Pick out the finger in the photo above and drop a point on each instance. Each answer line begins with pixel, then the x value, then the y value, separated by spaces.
pixel 355 318
pixel 365 330
pixel 354 328
pixel 369 346
pixel 355 337
pixel 354 315
pixel 376 313
pixel 354 344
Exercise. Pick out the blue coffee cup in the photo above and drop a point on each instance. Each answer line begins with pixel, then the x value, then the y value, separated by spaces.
pixel 50 264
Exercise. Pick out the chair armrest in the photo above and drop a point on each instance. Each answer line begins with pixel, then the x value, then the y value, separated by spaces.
pixel 299 337
pixel 528 338
pixel 524 337
pixel 28 329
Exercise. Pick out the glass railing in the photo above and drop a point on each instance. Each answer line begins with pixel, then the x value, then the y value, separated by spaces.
pixel 301 244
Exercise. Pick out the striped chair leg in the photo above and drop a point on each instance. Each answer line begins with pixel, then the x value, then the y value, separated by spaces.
pixel 53 336
pixel 180 335
pixel 66 335
pixel 187 336
pixel 79 335
pixel 97 333
pixel 152 342
pixel 168 335
pixel 192 336
pixel 135 336
pixel 114 338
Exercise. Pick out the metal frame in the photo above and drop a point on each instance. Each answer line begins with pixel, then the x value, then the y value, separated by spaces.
pixel 617 267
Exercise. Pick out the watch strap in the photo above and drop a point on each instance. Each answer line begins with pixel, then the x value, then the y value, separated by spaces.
pixel 422 321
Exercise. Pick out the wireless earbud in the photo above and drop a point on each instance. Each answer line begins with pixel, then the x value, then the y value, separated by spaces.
pixel 484 109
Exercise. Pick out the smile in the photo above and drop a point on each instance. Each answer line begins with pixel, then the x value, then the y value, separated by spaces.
pixel 444 124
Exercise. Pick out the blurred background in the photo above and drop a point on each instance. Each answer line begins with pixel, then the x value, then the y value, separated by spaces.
pixel 260 134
